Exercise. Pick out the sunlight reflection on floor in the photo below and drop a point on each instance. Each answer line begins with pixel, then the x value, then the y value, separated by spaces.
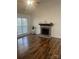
pixel 23 45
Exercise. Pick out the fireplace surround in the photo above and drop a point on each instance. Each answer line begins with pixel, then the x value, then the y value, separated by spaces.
pixel 45 30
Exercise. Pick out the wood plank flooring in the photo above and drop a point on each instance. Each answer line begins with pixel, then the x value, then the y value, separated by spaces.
pixel 35 47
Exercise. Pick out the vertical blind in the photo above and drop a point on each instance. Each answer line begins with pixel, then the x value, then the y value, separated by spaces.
pixel 21 25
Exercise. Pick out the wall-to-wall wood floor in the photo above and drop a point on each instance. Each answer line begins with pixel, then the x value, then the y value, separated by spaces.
pixel 35 47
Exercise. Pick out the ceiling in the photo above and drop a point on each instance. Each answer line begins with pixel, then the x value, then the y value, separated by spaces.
pixel 23 8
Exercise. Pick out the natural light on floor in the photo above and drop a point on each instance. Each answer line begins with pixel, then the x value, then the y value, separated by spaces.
pixel 23 44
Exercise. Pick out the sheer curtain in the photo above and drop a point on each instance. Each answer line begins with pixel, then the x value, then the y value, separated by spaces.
pixel 22 25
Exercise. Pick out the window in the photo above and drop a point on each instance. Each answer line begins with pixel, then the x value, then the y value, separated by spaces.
pixel 21 25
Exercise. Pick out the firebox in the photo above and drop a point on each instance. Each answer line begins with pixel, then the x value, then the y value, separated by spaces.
pixel 45 31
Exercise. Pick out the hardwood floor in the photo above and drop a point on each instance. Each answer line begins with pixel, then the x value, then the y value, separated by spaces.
pixel 35 47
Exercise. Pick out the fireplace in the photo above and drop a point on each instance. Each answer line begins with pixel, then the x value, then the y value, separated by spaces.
pixel 45 30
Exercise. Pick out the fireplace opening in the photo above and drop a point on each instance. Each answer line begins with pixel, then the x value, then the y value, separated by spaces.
pixel 45 31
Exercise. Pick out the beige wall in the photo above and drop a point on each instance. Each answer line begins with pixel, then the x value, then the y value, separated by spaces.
pixel 48 11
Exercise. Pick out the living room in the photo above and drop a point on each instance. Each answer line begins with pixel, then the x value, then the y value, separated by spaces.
pixel 39 29
pixel 40 20
pixel 48 11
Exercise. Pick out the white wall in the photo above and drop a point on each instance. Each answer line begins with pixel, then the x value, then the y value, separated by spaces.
pixel 48 11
